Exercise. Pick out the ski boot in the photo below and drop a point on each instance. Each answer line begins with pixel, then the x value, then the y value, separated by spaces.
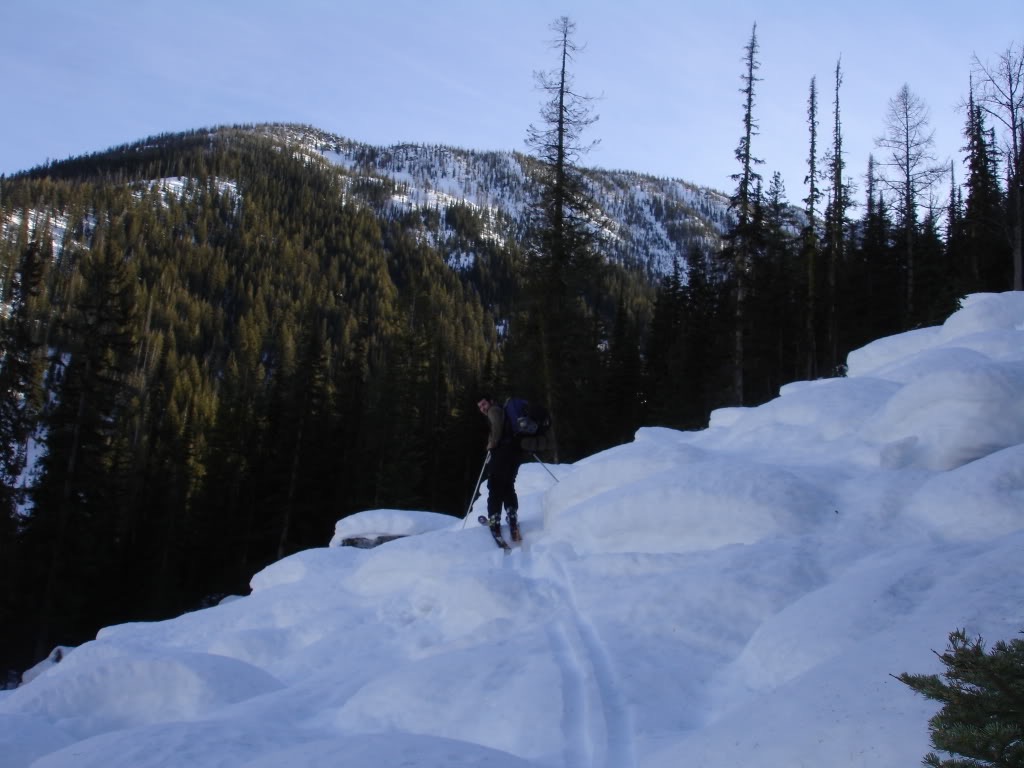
pixel 513 524
pixel 494 523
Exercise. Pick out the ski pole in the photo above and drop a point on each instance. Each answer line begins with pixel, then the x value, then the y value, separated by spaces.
pixel 479 480
pixel 545 466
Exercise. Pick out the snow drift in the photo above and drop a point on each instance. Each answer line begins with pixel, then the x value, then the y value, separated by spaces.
pixel 735 596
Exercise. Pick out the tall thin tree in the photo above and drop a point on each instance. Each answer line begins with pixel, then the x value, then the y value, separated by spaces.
pixel 744 201
pixel 563 263
pixel 836 221
pixel 810 242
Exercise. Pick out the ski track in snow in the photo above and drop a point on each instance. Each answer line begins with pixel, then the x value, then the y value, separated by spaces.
pixel 594 710
pixel 577 745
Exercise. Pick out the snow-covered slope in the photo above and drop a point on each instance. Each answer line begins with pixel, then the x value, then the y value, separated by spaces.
pixel 649 221
pixel 735 596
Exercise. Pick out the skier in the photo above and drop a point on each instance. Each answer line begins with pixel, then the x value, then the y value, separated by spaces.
pixel 505 456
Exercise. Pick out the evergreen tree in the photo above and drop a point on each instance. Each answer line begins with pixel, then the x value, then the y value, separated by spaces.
pixel 983 257
pixel 836 223
pixel 20 381
pixel 167 540
pixel 776 322
pixel 876 279
pixel 21 353
pixel 954 234
pixel 743 239
pixel 622 388
pixel 563 264
pixel 1001 97
pixel 810 241
pixel 663 355
pixel 687 360
pixel 75 530
pixel 936 276
pixel 980 724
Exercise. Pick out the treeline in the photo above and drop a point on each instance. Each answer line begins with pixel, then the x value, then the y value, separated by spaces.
pixel 211 376
pixel 212 350
pixel 796 287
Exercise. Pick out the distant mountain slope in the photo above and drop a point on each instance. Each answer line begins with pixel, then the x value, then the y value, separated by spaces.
pixel 462 199
pixel 652 219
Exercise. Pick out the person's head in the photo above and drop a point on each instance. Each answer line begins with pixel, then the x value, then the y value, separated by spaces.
pixel 484 403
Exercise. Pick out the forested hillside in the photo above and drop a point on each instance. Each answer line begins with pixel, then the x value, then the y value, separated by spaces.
pixel 219 343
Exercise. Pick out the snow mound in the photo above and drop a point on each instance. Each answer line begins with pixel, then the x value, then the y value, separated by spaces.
pixel 101 687
pixel 388 522
pixel 24 738
pixel 982 500
pixel 692 507
pixel 740 595
pixel 945 419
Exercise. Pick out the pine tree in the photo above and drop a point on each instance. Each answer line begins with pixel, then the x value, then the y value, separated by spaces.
pixel 954 234
pixel 76 523
pixel 563 264
pixel 810 242
pixel 1001 97
pixel 874 280
pixel 775 319
pixel 663 356
pixel 744 237
pixel 621 392
pixel 936 276
pixel 20 379
pixel 983 260
pixel 21 353
pixel 981 722
pixel 836 223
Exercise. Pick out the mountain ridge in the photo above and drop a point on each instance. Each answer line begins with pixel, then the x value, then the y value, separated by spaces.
pixel 654 220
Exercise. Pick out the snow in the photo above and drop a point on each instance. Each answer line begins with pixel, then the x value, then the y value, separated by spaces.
pixel 387 522
pixel 641 213
pixel 741 595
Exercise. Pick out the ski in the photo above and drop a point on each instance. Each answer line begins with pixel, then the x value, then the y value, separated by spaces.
pixel 498 538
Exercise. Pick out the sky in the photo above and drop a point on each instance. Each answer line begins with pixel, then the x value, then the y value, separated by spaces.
pixel 85 75
pixel 739 595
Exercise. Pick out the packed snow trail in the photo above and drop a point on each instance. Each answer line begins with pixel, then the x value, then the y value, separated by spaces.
pixel 594 711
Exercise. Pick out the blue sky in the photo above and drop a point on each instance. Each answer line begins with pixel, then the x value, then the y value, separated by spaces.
pixel 84 75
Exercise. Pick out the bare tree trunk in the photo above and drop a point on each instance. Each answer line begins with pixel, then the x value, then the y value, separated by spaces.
pixel 912 163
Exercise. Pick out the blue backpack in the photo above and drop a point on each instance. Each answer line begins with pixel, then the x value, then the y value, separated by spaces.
pixel 525 420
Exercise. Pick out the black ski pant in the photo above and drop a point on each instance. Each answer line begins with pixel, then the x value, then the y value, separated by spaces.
pixel 501 481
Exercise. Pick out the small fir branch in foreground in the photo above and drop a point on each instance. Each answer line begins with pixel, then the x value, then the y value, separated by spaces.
pixel 981 722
